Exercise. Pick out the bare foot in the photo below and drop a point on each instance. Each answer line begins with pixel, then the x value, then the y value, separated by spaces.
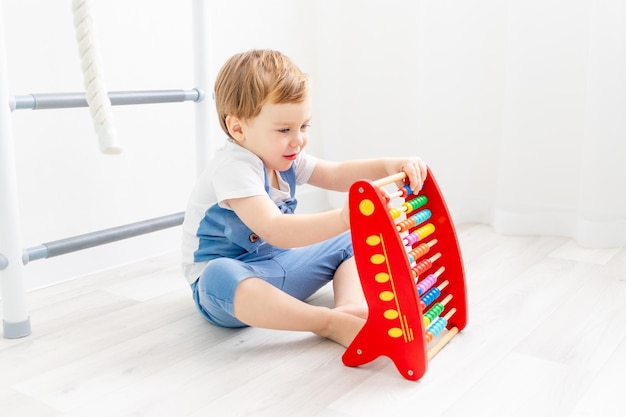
pixel 342 327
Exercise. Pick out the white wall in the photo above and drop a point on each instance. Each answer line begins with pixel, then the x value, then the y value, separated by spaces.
pixel 66 186
pixel 517 106
pixel 493 95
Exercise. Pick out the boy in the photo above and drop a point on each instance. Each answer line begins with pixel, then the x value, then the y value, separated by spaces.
pixel 249 259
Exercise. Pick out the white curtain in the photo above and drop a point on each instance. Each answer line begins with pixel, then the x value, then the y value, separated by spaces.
pixel 519 107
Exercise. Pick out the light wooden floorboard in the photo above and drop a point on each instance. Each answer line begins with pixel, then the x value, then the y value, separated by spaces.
pixel 546 337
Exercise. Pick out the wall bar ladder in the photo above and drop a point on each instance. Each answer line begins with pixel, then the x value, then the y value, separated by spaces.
pixel 16 321
pixel 43 101
pixel 101 237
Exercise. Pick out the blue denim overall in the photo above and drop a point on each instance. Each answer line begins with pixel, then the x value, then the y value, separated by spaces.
pixel 235 253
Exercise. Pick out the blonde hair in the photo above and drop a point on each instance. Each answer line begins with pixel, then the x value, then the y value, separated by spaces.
pixel 251 79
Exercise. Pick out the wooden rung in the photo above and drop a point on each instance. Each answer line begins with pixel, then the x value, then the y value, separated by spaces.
pixel 388 180
pixel 442 342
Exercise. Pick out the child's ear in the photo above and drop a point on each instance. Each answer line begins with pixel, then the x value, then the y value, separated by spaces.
pixel 235 128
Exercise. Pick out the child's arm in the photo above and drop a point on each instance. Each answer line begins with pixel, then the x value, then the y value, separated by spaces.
pixel 262 216
pixel 339 176
pixel 260 213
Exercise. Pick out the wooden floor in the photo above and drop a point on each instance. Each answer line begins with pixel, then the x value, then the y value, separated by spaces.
pixel 546 337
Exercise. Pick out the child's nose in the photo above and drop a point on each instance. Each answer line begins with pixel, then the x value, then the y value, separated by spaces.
pixel 298 139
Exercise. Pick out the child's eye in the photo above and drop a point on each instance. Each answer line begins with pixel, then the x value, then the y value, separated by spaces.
pixel 285 130
pixel 304 128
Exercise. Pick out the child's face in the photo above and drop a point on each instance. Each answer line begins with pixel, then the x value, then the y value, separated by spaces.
pixel 278 134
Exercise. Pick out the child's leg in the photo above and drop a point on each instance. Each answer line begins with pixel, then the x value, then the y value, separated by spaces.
pixel 258 303
pixel 348 291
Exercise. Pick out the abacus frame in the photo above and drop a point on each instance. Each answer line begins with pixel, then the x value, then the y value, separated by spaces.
pixel 395 326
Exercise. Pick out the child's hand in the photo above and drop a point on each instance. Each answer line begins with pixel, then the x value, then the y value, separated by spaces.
pixel 416 171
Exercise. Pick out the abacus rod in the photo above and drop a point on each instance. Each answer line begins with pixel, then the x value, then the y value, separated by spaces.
pixel 450 314
pixel 426 230
pixel 435 257
pixel 436 274
pixel 425 298
pixel 430 334
pixel 396 194
pixel 388 180
pixel 405 208
pixel 430 243
pixel 446 300
pixel 425 284
pixel 431 259
pixel 422 246
pixel 446 318
pixel 445 339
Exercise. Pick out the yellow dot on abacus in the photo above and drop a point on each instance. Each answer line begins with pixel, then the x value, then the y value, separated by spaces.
pixel 386 296
pixel 377 259
pixel 395 332
pixel 366 207
pixel 382 277
pixel 373 240
pixel 391 314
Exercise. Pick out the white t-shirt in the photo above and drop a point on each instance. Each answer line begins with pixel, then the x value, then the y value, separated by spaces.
pixel 234 172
